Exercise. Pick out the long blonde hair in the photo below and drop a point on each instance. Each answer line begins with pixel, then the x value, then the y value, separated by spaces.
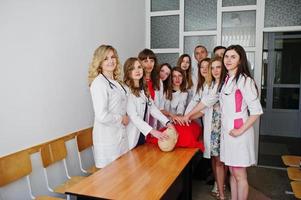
pixel 99 56
pixel 203 80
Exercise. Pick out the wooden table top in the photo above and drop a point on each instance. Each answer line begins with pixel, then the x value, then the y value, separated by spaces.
pixel 143 173
pixel 292 161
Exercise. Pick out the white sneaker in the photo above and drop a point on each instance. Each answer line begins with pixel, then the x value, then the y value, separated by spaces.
pixel 214 189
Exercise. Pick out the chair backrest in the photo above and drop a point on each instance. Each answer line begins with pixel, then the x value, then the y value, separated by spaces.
pixel 53 152
pixel 84 139
pixel 14 167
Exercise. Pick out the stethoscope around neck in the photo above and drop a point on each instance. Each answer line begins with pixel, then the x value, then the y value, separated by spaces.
pixel 112 85
pixel 148 101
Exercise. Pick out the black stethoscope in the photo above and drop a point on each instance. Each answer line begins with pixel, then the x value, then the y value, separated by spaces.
pixel 112 85
pixel 148 101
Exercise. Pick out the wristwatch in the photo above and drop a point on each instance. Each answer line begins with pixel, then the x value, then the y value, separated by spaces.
pixel 168 122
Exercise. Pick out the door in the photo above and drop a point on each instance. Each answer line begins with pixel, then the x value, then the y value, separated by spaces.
pixel 280 88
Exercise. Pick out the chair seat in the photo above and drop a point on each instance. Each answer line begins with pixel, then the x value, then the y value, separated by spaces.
pixel 296 186
pixel 294 173
pixel 292 161
pixel 70 182
pixel 48 198
pixel 92 169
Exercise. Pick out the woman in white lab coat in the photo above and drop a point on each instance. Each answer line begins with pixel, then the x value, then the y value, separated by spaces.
pixel 240 108
pixel 109 100
pixel 184 62
pixel 203 85
pixel 212 121
pixel 140 106
pixel 175 99
pixel 149 62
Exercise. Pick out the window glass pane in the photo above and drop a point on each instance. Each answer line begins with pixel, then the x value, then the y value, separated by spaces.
pixel 238 2
pixel 287 59
pixel 170 58
pixel 190 42
pixel 282 13
pixel 286 98
pixel 159 5
pixel 239 28
pixel 200 15
pixel 165 32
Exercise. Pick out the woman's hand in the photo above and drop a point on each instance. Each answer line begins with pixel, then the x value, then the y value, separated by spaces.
pixel 186 119
pixel 250 121
pixel 160 135
pixel 177 120
pixel 236 132
pixel 125 120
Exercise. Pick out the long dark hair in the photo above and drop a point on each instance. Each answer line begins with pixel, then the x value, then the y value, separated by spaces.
pixel 188 72
pixel 243 67
pixel 166 83
pixel 147 53
pixel 182 86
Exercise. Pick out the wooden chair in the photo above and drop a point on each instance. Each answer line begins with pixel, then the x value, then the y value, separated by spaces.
pixel 296 186
pixel 294 173
pixel 292 161
pixel 52 153
pixel 84 141
pixel 16 166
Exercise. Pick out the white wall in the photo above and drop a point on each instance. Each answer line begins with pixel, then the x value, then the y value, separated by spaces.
pixel 45 49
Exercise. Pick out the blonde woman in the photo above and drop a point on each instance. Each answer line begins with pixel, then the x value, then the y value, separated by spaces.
pixel 109 99
pixel 212 125
pixel 203 85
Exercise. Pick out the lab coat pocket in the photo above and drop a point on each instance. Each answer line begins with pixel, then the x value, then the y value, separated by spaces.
pixel 238 123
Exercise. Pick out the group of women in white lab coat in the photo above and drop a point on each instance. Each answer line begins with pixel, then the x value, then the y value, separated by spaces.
pixel 239 107
pixel 126 112
pixel 121 108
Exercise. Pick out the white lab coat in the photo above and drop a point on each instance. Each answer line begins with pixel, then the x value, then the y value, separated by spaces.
pixel 135 110
pixel 238 151
pixel 177 104
pixel 208 97
pixel 197 98
pixel 190 95
pixel 109 134
pixel 159 102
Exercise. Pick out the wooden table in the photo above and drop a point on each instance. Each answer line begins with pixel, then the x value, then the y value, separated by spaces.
pixel 143 173
pixel 292 161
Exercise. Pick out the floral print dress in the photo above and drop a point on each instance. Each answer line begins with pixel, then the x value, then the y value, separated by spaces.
pixel 215 130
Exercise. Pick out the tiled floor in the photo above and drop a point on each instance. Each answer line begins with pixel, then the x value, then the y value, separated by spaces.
pixel 201 190
pixel 265 184
pixel 271 148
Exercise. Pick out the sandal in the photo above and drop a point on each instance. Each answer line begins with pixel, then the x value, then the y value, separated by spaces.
pixel 220 198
